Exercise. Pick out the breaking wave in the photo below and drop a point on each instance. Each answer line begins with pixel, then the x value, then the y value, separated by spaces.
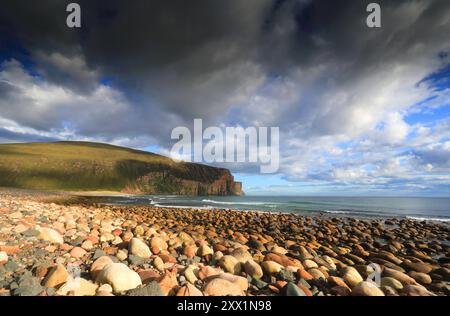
pixel 434 219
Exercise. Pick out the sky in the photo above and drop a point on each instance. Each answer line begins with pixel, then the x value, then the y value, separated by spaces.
pixel 361 111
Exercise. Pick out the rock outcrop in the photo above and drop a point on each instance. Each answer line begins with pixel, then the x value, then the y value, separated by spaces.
pixel 82 166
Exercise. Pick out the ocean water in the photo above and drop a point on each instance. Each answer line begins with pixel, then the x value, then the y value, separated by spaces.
pixel 418 208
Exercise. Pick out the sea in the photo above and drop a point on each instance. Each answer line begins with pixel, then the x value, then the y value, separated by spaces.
pixel 416 208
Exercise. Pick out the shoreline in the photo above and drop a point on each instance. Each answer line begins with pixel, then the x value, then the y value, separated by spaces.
pixel 349 213
pixel 166 251
pixel 84 197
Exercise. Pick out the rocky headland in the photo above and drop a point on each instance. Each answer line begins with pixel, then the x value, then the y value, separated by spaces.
pixel 85 166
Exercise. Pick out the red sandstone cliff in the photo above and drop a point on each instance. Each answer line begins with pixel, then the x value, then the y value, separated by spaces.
pixel 186 179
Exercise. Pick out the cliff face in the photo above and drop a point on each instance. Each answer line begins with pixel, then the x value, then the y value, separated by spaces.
pixel 206 182
pixel 81 166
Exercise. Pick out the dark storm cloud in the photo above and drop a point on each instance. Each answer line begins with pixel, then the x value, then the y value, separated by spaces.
pixel 333 35
pixel 198 58
pixel 186 60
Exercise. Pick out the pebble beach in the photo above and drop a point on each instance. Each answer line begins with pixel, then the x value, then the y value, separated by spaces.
pixel 59 245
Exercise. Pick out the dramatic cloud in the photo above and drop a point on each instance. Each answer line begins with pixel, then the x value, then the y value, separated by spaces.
pixel 359 109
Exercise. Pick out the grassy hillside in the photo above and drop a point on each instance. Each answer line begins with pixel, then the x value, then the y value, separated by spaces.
pixel 93 166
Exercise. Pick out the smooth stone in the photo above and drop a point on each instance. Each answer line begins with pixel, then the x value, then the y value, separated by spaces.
pixel 330 262
pixel 337 281
pixel 420 277
pixel 303 274
pixel 235 279
pixel 80 287
pixel 120 277
pixel 139 230
pixel 271 267
pixel 283 260
pixel 158 263
pixel 256 244
pixel 292 290
pixel 208 271
pixel 317 274
pixel 87 245
pixel 366 288
pixel 148 275
pixel 105 288
pixel 77 252
pixel 166 258
pixel 415 290
pixel 138 248
pixel 400 276
pixel 222 287
pixel 56 277
pixel 204 250
pixel 99 265
pixel 189 251
pixel 389 291
pixel 169 282
pixel 217 256
pixel 304 253
pixel 230 264
pixel 417 266
pixel 351 276
pixel 309 264
pixel 157 244
pixel 390 257
pixel 50 235
pixel 340 290
pixel 253 269
pixel 279 250
pixel 241 255
pixel 189 290
pixel 186 238
pixel 189 273
pixel 122 255
pixel 391 282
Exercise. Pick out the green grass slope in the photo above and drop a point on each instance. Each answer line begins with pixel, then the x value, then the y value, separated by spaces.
pixel 87 166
